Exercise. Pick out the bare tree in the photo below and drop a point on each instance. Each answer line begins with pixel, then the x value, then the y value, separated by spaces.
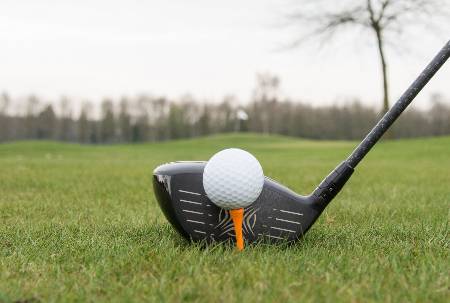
pixel 161 110
pixel 265 98
pixel 144 116
pixel 31 109
pixel 124 120
pixel 4 119
pixel 385 20
pixel 46 122
pixel 107 122
pixel 204 121
pixel 440 111
pixel 84 135
pixel 65 119
pixel 224 115
pixel 5 101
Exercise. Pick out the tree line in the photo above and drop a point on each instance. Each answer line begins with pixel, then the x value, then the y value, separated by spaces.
pixel 146 118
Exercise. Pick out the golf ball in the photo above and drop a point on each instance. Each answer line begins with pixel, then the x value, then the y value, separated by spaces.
pixel 233 178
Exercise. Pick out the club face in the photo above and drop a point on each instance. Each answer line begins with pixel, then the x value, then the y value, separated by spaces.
pixel 278 215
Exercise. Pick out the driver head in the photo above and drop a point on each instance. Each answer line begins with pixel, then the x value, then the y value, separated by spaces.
pixel 278 214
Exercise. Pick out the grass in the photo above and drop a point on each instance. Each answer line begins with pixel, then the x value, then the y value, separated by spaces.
pixel 80 223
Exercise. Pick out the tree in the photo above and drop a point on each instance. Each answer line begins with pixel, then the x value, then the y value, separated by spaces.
pixel 225 116
pixel 32 108
pixel 383 19
pixel 107 123
pixel 204 121
pixel 124 120
pixel 265 102
pixel 189 115
pixel 84 135
pixel 439 112
pixel 175 122
pixel 65 120
pixel 141 129
pixel 5 100
pixel 4 119
pixel 161 110
pixel 46 122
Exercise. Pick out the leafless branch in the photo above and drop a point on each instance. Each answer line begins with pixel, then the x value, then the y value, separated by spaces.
pixel 382 18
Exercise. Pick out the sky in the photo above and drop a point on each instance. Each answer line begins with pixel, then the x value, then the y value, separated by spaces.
pixel 95 49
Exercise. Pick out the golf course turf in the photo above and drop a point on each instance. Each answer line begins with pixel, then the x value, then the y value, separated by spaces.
pixel 80 223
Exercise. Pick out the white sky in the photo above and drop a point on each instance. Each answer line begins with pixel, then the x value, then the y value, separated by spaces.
pixel 93 49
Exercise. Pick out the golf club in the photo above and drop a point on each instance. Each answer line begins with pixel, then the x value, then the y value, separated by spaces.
pixel 278 214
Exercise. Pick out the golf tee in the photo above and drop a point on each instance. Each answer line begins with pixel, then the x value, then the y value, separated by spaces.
pixel 237 215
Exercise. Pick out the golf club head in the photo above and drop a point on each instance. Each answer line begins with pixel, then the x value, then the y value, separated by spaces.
pixel 278 215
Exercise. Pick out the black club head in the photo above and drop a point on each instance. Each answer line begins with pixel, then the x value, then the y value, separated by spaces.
pixel 279 214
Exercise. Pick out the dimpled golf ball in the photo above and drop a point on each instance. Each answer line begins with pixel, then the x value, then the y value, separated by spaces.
pixel 233 178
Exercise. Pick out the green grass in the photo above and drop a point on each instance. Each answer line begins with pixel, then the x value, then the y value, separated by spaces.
pixel 80 223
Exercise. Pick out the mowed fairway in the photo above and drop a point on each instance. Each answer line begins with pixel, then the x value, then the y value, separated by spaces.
pixel 80 223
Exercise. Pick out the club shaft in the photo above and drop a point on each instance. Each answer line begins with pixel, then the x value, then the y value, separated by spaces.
pixel 408 96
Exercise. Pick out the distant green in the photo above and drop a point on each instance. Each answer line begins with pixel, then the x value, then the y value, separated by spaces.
pixel 81 224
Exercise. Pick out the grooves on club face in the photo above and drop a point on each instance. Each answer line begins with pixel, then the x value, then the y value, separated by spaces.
pixel 278 215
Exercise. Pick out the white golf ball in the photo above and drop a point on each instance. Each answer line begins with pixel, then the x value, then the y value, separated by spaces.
pixel 233 178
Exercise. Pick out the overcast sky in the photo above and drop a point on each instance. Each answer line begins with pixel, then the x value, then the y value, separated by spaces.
pixel 99 48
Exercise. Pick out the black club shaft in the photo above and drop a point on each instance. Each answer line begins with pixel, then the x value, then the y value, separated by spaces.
pixel 408 96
